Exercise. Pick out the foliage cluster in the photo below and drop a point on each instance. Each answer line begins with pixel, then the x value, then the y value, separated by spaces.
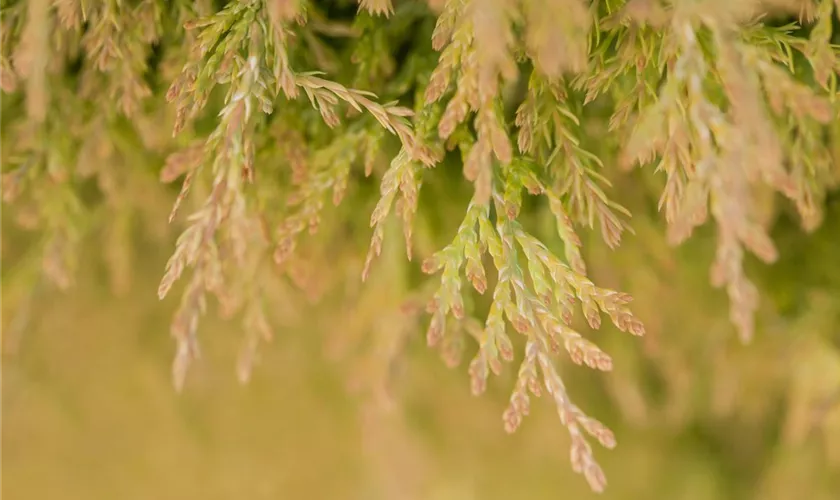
pixel 270 109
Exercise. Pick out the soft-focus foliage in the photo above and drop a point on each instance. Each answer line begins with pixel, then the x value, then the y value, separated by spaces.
pixel 494 140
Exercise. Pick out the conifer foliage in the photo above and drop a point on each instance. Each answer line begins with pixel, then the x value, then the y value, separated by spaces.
pixel 273 116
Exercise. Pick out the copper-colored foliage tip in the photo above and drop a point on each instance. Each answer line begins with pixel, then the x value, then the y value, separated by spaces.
pixel 435 332
pixel 595 477
pixel 594 319
pixel 430 265
pixel 521 324
pixel 511 210
pixel 606 438
pixel 163 289
pixel 496 365
pixel 478 282
pixel 458 311
pixel 637 328
pixel 432 306
pixel 511 418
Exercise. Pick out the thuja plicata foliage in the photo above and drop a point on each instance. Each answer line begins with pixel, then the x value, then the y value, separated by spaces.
pixel 268 112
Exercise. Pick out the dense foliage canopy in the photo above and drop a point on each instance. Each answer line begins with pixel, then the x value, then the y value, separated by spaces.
pixel 541 158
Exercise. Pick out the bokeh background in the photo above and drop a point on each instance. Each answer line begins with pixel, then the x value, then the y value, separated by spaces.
pixel 89 410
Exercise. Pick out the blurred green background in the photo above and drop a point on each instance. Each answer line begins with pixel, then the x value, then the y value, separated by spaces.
pixel 89 410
